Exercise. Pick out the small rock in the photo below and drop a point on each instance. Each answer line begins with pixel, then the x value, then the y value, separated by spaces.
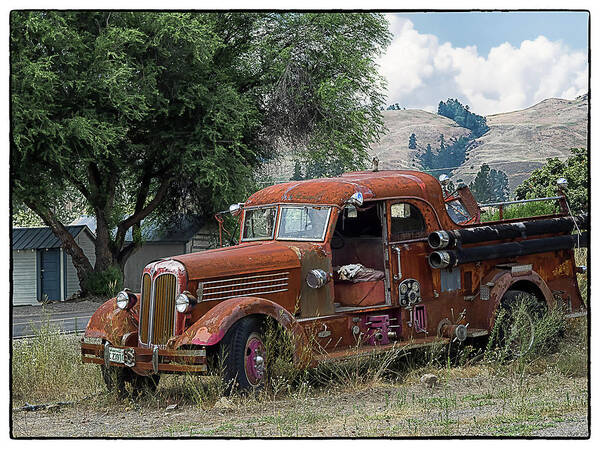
pixel 224 403
pixel 429 380
pixel 171 407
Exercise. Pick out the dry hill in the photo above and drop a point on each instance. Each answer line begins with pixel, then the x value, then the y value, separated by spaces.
pixel 517 142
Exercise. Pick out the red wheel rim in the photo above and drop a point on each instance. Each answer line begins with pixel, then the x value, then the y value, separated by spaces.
pixel 254 363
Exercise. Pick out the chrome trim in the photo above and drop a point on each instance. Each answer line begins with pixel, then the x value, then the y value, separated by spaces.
pixel 106 354
pixel 239 296
pixel 246 289
pixel 247 283
pixel 246 277
pixel 155 359
pixel 325 226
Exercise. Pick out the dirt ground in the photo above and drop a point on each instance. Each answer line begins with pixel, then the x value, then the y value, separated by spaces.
pixel 459 406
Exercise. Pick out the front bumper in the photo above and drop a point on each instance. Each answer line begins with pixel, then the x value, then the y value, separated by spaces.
pixel 149 360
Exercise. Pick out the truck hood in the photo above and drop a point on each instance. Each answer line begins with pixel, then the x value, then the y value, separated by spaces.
pixel 252 257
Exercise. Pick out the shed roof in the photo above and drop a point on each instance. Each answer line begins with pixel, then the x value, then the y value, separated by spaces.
pixel 373 185
pixel 41 238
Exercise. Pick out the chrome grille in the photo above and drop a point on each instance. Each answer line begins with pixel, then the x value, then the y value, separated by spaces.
pixel 157 309
pixel 251 285
pixel 145 307
pixel 163 320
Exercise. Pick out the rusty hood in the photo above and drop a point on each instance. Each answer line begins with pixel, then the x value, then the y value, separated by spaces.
pixel 252 257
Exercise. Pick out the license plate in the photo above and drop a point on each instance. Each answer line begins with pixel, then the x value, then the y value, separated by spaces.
pixel 116 355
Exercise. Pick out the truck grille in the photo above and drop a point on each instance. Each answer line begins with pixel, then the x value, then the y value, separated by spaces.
pixel 157 309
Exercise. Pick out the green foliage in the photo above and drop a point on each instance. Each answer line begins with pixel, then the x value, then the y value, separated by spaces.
pixel 107 283
pixel 412 141
pixel 147 114
pixel 447 155
pixel 454 110
pixel 521 211
pixel 542 182
pixel 490 185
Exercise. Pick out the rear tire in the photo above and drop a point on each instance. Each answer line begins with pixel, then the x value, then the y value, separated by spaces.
pixel 517 332
pixel 244 350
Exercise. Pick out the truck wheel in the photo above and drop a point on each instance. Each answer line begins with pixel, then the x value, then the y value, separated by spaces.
pixel 115 378
pixel 517 332
pixel 245 355
pixel 144 384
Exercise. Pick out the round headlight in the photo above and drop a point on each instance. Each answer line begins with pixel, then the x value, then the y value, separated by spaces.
pixel 183 304
pixel 125 300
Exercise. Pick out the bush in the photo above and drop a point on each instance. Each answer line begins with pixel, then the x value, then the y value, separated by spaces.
pixel 523 210
pixel 108 282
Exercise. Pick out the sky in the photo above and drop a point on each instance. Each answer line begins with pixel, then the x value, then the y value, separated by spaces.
pixel 493 61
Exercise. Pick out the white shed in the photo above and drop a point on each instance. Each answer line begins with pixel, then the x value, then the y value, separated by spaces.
pixel 41 269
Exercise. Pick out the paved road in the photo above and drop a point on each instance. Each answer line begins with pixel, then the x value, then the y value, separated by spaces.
pixel 68 322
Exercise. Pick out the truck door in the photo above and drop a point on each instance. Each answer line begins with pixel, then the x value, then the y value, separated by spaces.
pixel 407 249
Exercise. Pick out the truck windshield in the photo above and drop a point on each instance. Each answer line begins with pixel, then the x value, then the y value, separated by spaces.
pixel 259 224
pixel 303 223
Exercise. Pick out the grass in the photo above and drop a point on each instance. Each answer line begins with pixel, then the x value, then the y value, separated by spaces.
pixel 48 367
pixel 371 396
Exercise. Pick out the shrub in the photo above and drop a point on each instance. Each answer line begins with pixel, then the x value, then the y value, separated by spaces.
pixel 108 282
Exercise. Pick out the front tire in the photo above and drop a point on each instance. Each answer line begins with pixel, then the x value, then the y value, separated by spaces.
pixel 245 355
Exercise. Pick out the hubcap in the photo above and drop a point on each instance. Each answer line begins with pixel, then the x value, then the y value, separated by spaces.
pixel 254 363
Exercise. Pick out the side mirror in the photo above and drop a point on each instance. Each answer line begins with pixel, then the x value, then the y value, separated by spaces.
pixel 356 199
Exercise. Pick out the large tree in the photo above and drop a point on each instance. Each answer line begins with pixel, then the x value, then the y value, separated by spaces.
pixel 143 114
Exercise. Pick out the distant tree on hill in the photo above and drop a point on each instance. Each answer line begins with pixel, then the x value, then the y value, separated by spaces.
pixel 490 185
pixel 412 142
pixel 394 107
pixel 454 110
pixel 448 155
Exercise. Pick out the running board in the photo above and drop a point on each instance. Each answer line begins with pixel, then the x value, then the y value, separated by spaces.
pixel 402 346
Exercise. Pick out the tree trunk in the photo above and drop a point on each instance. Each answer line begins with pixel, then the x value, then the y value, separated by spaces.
pixel 80 261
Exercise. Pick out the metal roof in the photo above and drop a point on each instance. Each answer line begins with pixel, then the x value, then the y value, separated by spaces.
pixel 40 238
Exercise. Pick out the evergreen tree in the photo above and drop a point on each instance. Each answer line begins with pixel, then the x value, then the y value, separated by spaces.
pixel 412 142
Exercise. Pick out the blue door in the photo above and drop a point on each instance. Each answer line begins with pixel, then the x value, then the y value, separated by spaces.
pixel 50 274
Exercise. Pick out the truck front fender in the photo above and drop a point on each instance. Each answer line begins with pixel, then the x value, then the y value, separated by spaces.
pixel 212 327
pixel 112 324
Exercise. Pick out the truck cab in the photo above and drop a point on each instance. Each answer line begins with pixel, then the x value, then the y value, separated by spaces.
pixel 346 265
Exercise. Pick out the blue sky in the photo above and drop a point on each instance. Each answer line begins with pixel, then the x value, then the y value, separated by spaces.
pixel 493 61
pixel 490 29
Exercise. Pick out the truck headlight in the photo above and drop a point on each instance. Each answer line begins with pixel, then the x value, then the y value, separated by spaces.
pixel 184 302
pixel 125 299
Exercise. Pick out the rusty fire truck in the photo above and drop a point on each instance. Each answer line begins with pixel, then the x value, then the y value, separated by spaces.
pixel 366 261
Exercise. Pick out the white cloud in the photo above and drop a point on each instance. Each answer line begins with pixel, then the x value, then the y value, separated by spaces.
pixel 420 72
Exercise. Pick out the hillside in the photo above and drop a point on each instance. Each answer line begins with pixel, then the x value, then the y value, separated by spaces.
pixel 517 142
